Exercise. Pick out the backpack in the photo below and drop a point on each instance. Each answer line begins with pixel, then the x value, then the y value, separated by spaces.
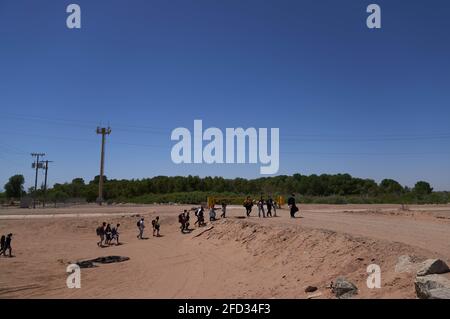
pixel 98 230
pixel 153 223
pixel 138 223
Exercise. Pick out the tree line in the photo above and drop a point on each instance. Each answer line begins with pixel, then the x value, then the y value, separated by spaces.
pixel 325 188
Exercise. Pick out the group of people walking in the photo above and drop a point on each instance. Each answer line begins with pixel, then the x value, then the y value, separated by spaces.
pixel 108 234
pixel 5 245
pixel 184 217
pixel 270 205
pixel 262 205
pixel 155 226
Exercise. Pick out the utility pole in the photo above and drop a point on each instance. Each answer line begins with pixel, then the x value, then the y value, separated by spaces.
pixel 36 166
pixel 45 182
pixel 103 131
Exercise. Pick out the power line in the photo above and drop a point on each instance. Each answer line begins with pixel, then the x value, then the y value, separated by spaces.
pixel 89 124
pixel 77 139
pixel 288 138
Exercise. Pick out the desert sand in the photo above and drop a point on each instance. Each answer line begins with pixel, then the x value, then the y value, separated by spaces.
pixel 238 258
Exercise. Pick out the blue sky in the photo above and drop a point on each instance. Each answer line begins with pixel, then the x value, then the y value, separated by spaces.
pixel 372 103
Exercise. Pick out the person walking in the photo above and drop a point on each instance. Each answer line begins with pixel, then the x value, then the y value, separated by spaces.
pixel 115 234
pixel 224 210
pixel 274 206
pixel 2 243
pixel 212 213
pixel 7 246
pixel 141 226
pixel 108 234
pixel 292 206
pixel 200 213
pixel 156 226
pixel 269 204
pixel 248 204
pixel 261 208
pixel 101 233
pixel 182 220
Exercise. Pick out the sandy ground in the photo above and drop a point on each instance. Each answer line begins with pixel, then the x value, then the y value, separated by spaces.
pixel 237 258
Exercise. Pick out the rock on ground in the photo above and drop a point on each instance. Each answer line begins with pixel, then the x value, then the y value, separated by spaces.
pixel 432 286
pixel 432 266
pixel 310 289
pixel 343 288
pixel 406 265
pixel 439 293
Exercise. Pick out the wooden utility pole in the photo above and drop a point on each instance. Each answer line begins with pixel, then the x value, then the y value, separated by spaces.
pixel 45 181
pixel 103 131
pixel 36 165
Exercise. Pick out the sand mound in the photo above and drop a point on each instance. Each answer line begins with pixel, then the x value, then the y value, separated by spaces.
pixel 317 257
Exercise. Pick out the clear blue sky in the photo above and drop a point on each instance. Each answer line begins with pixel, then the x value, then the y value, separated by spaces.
pixel 372 103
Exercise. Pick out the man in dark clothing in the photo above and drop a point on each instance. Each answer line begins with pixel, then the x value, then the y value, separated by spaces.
pixel 156 226
pixel 261 208
pixel 292 206
pixel 269 206
pixel 7 246
pixel 200 217
pixel 248 204
pixel 108 234
pixel 182 220
pixel 186 220
pixel 224 210
pixel 2 243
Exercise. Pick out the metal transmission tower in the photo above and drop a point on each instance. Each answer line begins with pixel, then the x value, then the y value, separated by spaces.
pixel 36 165
pixel 103 131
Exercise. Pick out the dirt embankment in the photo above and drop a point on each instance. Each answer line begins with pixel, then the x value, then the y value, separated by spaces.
pixel 288 259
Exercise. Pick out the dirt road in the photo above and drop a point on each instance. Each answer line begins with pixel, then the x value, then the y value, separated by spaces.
pixel 249 258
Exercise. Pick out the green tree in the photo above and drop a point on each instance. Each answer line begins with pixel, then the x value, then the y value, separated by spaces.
pixel 58 196
pixel 422 188
pixel 389 186
pixel 14 187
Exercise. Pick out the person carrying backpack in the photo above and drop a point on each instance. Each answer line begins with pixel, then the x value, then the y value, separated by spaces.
pixel 115 234
pixel 182 220
pixel 200 217
pixel 101 233
pixel 108 234
pixel 293 207
pixel 140 224
pixel 248 204
pixel 7 245
pixel 156 226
